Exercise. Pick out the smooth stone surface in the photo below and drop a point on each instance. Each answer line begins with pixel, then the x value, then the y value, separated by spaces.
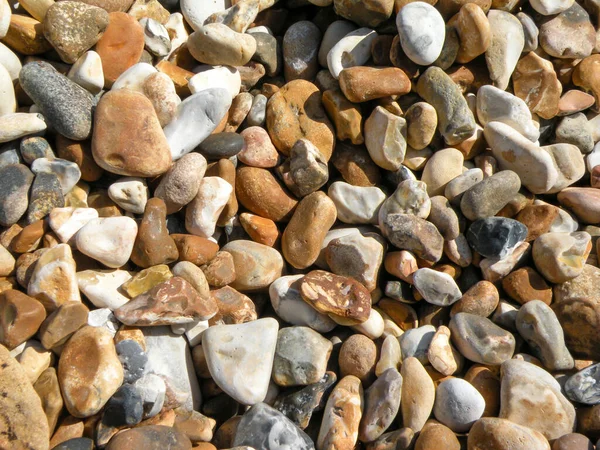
pixel 356 204
pixel 458 404
pixel 87 72
pixel 561 256
pixel 422 31
pixel 180 184
pixel 530 396
pixel 102 287
pixel 197 117
pixel 502 434
pixel 203 212
pixel 64 104
pixel 108 240
pixel 411 233
pixel 300 51
pixel 256 265
pixel 15 181
pixel 416 341
pixel 353 49
pixel 508 40
pixel 130 193
pixel 385 138
pixel 538 325
pixel 418 394
pixel 569 34
pixel 437 288
pixel 217 44
pixel 480 340
pixel 240 358
pixel 68 172
pixel 264 427
pixel 495 237
pixel 583 387
pixel 382 403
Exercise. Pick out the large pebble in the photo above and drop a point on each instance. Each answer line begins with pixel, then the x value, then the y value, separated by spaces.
pixel 561 256
pixel 409 232
pixel 531 397
pixel 508 40
pixel 87 72
pixel 569 34
pixel 495 237
pixel 122 119
pixel 356 204
pixel 437 288
pixel 264 427
pixel 480 340
pixel 382 402
pixel 64 104
pixel 422 32
pixel 240 358
pixel 418 394
pixel 538 325
pixel 180 184
pixel 196 118
pixel 353 49
pixel 300 51
pixel 443 166
pixel 256 265
pixel 217 44
pixel 204 210
pixel 18 125
pixel 89 371
pixel 102 287
pixel 502 434
pixel 108 240
pixel 15 181
pixel 361 83
pixel 385 138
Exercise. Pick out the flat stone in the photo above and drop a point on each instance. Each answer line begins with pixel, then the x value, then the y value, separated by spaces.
pixel 24 421
pixel 240 358
pixel 124 407
pixel 86 391
pixel 62 323
pixel 109 240
pixel 415 342
pixel 46 194
pixel 343 299
pixel 74 28
pixel 342 414
pixel 146 279
pixel 122 119
pixel 525 284
pixel 480 340
pixel 64 104
pixel 263 426
pixel 575 198
pixel 538 325
pixel 548 410
pixel 102 287
pixel 222 145
pixel 361 83
pixel 507 42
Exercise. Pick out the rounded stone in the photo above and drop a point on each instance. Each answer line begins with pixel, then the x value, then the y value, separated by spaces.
pixel 458 405
pixel 502 434
pixel 488 197
pixel 300 51
pixel 256 265
pixel 221 145
pixel 525 285
pixel 495 237
pixel 422 30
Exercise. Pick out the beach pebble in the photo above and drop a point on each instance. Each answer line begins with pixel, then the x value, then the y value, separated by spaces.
pixel 421 121
pixel 561 256
pixel 102 287
pixel 130 193
pixel 415 342
pixel 300 51
pixel 361 83
pixel 505 434
pixel 256 265
pixel 495 237
pixel 507 42
pixel 418 394
pixel 382 402
pixel 15 181
pixel 217 44
pixel 87 72
pixel 437 288
pixel 569 34
pixel 356 204
pixel 408 232
pixel 480 340
pixel 353 49
pixel 203 211
pixel 108 240
pixel 242 375
pixel 208 77
pixel 422 31
pixel 458 405
pixel 582 387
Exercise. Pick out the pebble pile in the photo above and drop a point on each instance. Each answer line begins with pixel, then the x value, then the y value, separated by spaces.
pixel 300 225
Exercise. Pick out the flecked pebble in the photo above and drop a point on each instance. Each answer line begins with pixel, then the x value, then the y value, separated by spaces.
pixel 256 265
pixel 217 44
pixel 15 181
pixel 480 340
pixel 258 150
pixel 538 325
pixel 549 413
pixel 64 104
pixel 86 391
pixel 569 34
pixel 150 437
pixel 130 193
pixel 308 169
pixel 244 376
pixel 262 427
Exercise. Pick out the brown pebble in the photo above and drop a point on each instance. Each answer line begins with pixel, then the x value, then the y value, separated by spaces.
pixel 195 249
pixel 526 284
pixel 488 385
pixel 481 299
pixel 358 356
pixel 20 317
pixel 435 436
pixel 220 271
pixel 62 323
pixel 361 84
pixel 234 307
pixel 538 219
pixel 261 230
pixel 30 237
pixel 79 152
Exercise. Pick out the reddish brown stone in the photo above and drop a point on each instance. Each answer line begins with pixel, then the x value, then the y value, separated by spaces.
pixel 261 230
pixel 20 317
pixel 525 284
pixel 220 271
pixel 538 219
pixel 234 307
pixel 174 301
pixel 29 238
pixel 153 245
pixel 62 323
pixel 361 84
pixel 79 152
pixel 195 249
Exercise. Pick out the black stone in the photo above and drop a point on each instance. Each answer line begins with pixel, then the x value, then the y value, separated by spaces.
pixel 65 105
pixel 221 145
pixel 495 237
pixel 299 406
pixel 584 386
pixel 46 194
pixel 221 407
pixel 15 181
pixel 32 148
pixel 76 444
pixel 263 427
pixel 171 5
pixel 133 358
pixel 125 407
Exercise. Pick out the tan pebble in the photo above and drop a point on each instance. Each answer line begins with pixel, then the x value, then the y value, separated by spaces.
pixel 195 249
pixel 258 149
pixel 358 356
pixel 346 116
pixel 418 394
pixel 474 32
pixel 48 390
pixel 62 323
pixel 487 382
pixel 402 314
pixel 360 84
pixel 442 356
pixel 20 317
pixel 502 434
pixel 421 120
pixel 261 230
pixel 481 299
pixel 25 35
pixel 435 436
pixel 220 271
pixel 256 265
pixel 35 359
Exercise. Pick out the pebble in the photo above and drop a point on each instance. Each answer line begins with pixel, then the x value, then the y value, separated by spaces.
pixel 443 166
pixel 18 125
pixel 265 427
pixel 21 317
pixel 289 305
pixel 124 407
pixel 541 406
pixel 86 391
pixel 28 425
pixel 343 299
pixel 504 434
pixel 409 232
pixel 109 240
pixel 53 281
pixel 582 202
pixel 416 341
pixel 152 390
pixel 72 115
pixel 73 28
pixel 342 414
pixel 506 45
pixel 480 299
pixel 441 355
pixel 300 51
pixel 204 210
pixel 150 437
pixel 217 44
pixel 421 120
pixel 480 340
pixel 121 45
pixel 455 120
pixel 256 265
pixel 382 402
pixel 496 237
pixel 15 181
pixel 208 77
pixel 356 204
pixel 422 43
pixel 258 150
pixel 561 256
pixel 207 108
pixel 156 37
pixel 301 357
pixel 87 72
pixel 458 405
pixel 353 49
pixel 357 357
pixel 62 323
pixel 569 34
pixel 538 325
pixel 418 394
pixel 582 387
pixel 221 145
pixel 244 375
pixel 130 193
pixel 46 194
pixel 308 169
pixel 122 118
pixel 437 288
pixel 361 83
pixel 102 287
